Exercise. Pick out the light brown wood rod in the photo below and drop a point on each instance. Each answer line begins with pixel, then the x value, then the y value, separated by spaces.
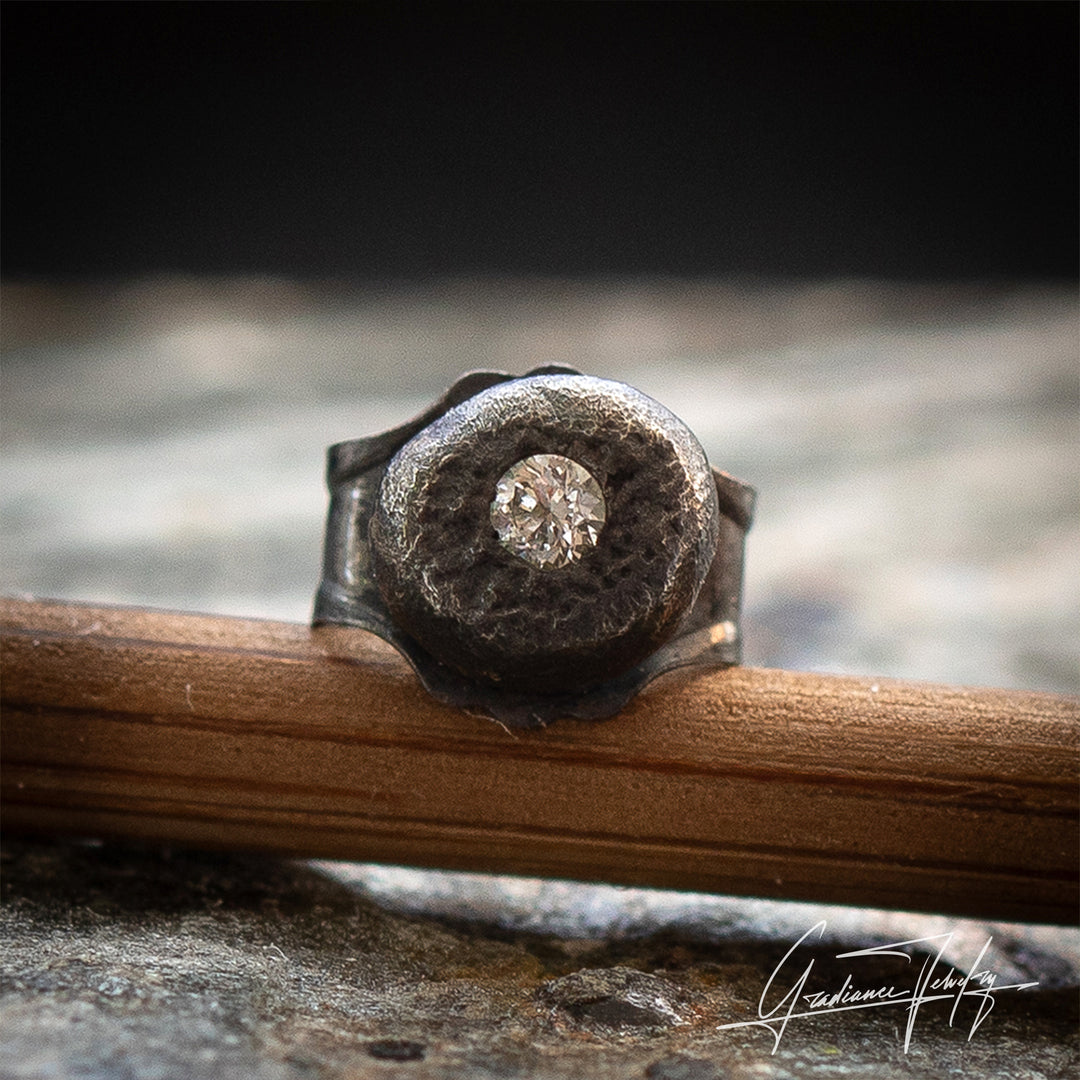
pixel 236 733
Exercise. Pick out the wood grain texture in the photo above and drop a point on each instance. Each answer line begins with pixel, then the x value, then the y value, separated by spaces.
pixel 236 733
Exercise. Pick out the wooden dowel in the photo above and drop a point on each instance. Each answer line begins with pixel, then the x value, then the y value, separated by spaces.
pixel 237 733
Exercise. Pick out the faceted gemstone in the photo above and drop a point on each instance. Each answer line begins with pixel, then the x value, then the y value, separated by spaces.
pixel 548 510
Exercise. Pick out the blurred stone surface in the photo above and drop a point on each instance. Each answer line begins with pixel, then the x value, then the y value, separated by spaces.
pixel 126 962
pixel 915 448
pixel 163 444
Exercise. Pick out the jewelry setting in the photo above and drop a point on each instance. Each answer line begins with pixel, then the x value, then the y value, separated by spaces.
pixel 537 546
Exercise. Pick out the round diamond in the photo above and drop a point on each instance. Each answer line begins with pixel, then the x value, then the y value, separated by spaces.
pixel 548 510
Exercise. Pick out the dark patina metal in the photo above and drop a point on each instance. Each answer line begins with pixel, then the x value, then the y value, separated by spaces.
pixel 412 556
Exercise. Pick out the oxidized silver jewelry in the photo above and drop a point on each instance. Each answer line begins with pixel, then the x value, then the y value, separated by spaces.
pixel 537 546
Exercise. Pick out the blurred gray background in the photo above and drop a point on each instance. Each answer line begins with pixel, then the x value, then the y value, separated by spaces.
pixel 839 240
pixel 915 448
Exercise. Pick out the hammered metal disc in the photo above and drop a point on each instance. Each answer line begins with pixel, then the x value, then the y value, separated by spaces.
pixel 449 581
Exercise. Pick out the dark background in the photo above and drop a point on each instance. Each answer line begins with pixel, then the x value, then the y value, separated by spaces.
pixel 379 141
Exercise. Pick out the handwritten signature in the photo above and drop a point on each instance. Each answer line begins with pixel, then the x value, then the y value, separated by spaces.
pixel 933 983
